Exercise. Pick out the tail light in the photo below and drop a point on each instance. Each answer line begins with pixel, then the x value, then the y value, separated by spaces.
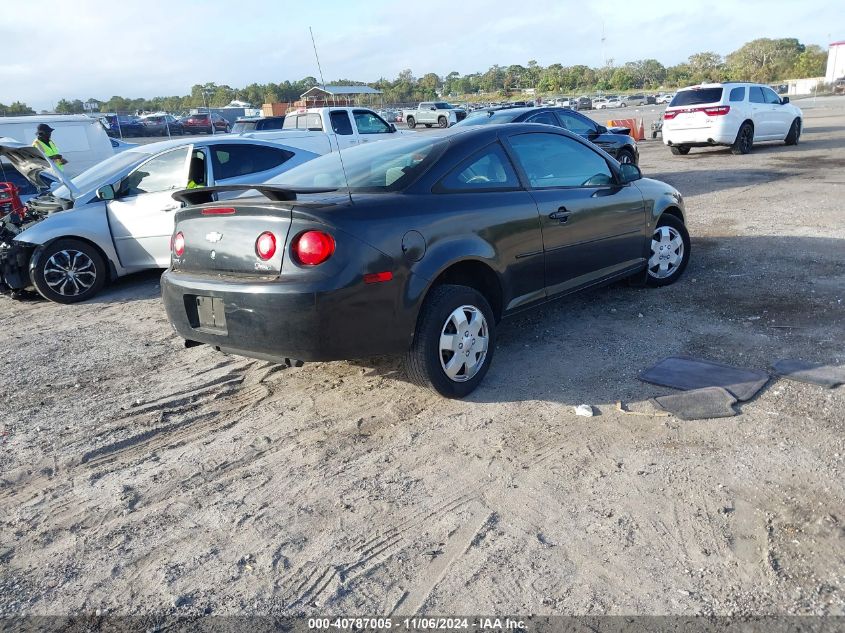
pixel 265 245
pixel 718 111
pixel 179 244
pixel 670 114
pixel 218 211
pixel 313 247
pixel 709 111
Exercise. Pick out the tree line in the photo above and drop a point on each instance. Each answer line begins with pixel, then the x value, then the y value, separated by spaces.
pixel 762 60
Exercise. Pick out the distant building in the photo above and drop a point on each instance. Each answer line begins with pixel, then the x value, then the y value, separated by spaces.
pixel 335 95
pixel 835 62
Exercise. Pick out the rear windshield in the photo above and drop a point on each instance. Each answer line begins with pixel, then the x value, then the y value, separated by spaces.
pixel 697 96
pixel 488 117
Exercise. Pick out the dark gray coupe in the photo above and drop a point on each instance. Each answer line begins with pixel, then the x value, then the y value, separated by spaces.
pixel 418 246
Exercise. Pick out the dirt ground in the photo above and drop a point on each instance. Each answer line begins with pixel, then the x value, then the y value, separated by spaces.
pixel 140 477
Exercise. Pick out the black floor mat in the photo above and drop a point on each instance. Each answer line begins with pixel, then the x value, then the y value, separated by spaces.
pixel 681 372
pixel 699 404
pixel 825 375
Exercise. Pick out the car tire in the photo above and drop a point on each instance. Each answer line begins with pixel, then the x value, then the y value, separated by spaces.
pixel 442 122
pixel 744 139
pixel 428 124
pixel 437 342
pixel 52 276
pixel 411 122
pixel 794 133
pixel 625 155
pixel 670 244
pixel 679 150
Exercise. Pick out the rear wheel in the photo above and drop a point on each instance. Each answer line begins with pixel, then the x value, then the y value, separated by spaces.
pixel 670 251
pixel 454 341
pixel 411 122
pixel 680 150
pixel 625 155
pixel 69 271
pixel 744 139
pixel 794 133
pixel 442 122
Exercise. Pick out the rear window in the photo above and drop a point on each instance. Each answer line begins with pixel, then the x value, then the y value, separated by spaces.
pixel 243 126
pixel 697 96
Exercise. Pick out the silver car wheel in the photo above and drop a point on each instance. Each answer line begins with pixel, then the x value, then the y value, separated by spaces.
pixel 626 158
pixel 463 343
pixel 70 273
pixel 667 252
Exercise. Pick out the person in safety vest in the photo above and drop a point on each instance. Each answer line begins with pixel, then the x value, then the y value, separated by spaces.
pixel 43 142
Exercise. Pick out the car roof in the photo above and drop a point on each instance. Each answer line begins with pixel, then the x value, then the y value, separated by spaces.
pixel 160 146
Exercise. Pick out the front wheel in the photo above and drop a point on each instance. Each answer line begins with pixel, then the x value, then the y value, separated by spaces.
pixel 679 150
pixel 442 122
pixel 744 139
pixel 670 251
pixel 625 155
pixel 69 271
pixel 412 122
pixel 453 343
pixel 794 133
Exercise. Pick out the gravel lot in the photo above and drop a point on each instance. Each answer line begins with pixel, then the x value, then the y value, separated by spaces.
pixel 138 477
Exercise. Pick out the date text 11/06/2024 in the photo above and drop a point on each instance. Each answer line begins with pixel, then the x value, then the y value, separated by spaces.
pixel 415 624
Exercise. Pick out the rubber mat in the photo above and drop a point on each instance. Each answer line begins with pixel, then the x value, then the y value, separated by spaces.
pixel 699 404
pixel 814 373
pixel 682 372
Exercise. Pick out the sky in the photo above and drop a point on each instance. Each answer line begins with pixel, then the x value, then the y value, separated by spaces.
pixel 95 48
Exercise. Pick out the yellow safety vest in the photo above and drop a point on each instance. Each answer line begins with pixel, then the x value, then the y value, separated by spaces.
pixel 49 150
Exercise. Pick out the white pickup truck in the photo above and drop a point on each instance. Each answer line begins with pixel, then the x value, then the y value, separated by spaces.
pixel 322 130
pixel 430 113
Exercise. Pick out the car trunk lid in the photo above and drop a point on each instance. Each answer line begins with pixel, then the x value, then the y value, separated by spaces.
pixel 693 108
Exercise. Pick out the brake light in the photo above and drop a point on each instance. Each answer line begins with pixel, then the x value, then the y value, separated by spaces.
pixel 265 245
pixel 313 247
pixel 670 114
pixel 376 278
pixel 709 111
pixel 218 211
pixel 179 244
pixel 718 111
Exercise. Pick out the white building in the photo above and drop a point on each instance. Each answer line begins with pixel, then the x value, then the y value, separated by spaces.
pixel 835 62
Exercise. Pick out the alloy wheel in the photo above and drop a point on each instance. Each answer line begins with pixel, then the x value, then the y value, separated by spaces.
pixel 667 252
pixel 70 273
pixel 463 343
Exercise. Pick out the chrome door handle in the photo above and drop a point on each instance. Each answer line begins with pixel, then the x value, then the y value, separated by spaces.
pixel 561 215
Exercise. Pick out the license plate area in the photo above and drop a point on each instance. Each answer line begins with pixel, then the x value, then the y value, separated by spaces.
pixel 207 314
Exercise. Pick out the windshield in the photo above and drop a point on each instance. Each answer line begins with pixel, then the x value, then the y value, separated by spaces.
pixel 102 173
pixel 376 167
pixel 488 117
pixel 697 96
pixel 243 126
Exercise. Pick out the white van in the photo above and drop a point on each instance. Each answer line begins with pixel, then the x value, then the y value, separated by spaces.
pixel 81 140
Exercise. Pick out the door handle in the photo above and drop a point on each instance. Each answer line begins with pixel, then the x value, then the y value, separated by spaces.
pixel 561 215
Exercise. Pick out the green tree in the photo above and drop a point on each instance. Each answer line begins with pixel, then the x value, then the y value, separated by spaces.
pixel 811 63
pixel 17 108
pixel 764 60
pixel 706 66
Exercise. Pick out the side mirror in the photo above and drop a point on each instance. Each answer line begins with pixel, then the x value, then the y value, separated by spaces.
pixel 432 108
pixel 784 100
pixel 106 192
pixel 392 127
pixel 629 172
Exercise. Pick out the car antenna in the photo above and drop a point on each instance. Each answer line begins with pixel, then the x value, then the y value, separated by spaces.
pixel 336 139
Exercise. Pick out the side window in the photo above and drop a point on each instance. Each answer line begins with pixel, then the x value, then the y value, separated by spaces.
pixel 737 94
pixel 550 160
pixel 369 123
pixel 544 117
pixel 272 124
pixel 771 96
pixel 341 123
pixel 575 123
pixel 231 160
pixel 755 94
pixel 488 169
pixel 314 122
pixel 165 172
pixel 290 122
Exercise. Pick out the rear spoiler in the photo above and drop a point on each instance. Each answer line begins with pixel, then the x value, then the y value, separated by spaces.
pixel 202 195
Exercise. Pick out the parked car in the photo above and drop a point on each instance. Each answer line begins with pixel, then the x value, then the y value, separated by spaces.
pixel 121 125
pixel 162 125
pixel 667 98
pixel 82 140
pixel 202 124
pixel 258 124
pixel 431 113
pixel 117 217
pixel 616 141
pixel 583 103
pixel 419 247
pixel 612 102
pixel 600 103
pixel 638 99
pixel 733 114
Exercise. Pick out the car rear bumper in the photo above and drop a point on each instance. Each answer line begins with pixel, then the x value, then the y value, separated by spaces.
pixel 285 322
pixel 722 133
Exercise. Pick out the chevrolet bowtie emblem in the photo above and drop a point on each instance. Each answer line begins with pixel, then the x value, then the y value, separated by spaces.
pixel 214 236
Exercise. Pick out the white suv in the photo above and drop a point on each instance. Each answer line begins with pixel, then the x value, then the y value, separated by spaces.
pixel 733 114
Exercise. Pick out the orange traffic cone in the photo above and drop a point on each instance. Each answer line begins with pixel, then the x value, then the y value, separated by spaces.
pixel 641 132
